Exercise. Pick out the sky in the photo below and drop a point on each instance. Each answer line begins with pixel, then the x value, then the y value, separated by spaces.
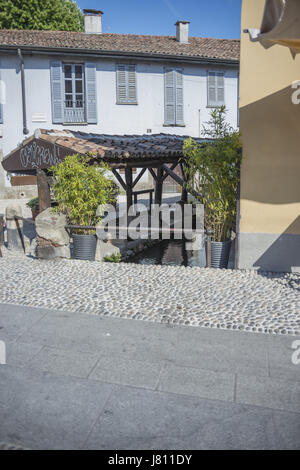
pixel 209 18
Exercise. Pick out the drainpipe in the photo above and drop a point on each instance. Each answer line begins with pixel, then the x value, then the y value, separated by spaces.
pixel 25 129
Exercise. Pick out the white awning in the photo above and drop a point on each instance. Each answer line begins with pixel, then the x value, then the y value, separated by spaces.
pixel 280 25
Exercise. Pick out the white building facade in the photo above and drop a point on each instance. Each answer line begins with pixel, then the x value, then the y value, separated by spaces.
pixel 115 85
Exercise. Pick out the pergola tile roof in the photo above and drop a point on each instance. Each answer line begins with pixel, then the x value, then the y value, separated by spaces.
pixel 117 147
pixel 46 147
pixel 202 48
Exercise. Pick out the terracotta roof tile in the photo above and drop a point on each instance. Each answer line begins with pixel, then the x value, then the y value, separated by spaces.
pixel 113 149
pixel 206 48
pixel 117 148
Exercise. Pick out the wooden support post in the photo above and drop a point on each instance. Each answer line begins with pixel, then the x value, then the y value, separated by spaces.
pixel 152 173
pixel 119 178
pixel 43 191
pixel 151 201
pixel 158 191
pixel 159 185
pixel 128 178
pixel 172 168
pixel 178 179
pixel 184 193
pixel 137 179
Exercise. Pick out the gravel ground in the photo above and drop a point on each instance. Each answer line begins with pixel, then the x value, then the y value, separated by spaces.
pixel 226 299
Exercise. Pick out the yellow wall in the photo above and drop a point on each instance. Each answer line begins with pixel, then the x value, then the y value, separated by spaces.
pixel 270 126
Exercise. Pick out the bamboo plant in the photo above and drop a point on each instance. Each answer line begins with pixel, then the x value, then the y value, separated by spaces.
pixel 212 169
pixel 80 188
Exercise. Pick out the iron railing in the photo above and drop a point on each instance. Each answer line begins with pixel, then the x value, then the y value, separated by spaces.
pixel 74 111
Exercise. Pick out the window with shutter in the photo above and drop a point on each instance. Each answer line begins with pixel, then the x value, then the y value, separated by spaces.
pixel 126 84
pixel 174 104
pixel 215 89
pixel 74 93
pixel 74 97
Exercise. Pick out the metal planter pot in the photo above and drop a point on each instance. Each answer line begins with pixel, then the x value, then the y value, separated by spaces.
pixel 220 254
pixel 84 247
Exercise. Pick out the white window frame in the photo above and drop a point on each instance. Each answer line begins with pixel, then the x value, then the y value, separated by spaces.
pixel 80 115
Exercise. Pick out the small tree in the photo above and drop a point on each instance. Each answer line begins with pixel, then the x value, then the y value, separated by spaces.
pixel 213 170
pixel 79 189
pixel 62 15
pixel 217 127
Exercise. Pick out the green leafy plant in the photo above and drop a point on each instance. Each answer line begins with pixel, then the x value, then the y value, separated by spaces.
pixel 114 258
pixel 80 188
pixel 57 15
pixel 213 171
pixel 33 204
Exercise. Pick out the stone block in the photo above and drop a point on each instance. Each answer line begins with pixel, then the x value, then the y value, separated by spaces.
pixel 51 226
pixel 33 248
pixel 105 249
pixel 14 228
pixel 52 252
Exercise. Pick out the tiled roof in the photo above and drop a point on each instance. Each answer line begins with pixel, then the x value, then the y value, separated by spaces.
pixel 113 149
pixel 117 147
pixel 204 48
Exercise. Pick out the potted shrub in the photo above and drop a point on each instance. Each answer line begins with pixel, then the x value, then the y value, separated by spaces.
pixel 34 206
pixel 80 188
pixel 213 170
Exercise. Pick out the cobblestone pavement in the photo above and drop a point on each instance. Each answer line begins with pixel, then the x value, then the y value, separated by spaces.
pixel 7 446
pixel 225 299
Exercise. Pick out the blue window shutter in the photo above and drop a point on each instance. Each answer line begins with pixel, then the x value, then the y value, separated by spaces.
pixel 121 84
pixel 179 97
pixel 211 89
pixel 91 93
pixel 215 89
pixel 126 84
pixel 57 92
pixel 131 81
pixel 169 96
pixel 220 88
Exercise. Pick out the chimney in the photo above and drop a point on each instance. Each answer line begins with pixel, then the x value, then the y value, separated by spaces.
pixel 93 21
pixel 182 31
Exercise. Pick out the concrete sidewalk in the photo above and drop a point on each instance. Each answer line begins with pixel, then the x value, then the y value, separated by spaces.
pixel 76 381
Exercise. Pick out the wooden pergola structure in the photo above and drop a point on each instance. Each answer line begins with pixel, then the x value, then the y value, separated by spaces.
pixel 159 153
